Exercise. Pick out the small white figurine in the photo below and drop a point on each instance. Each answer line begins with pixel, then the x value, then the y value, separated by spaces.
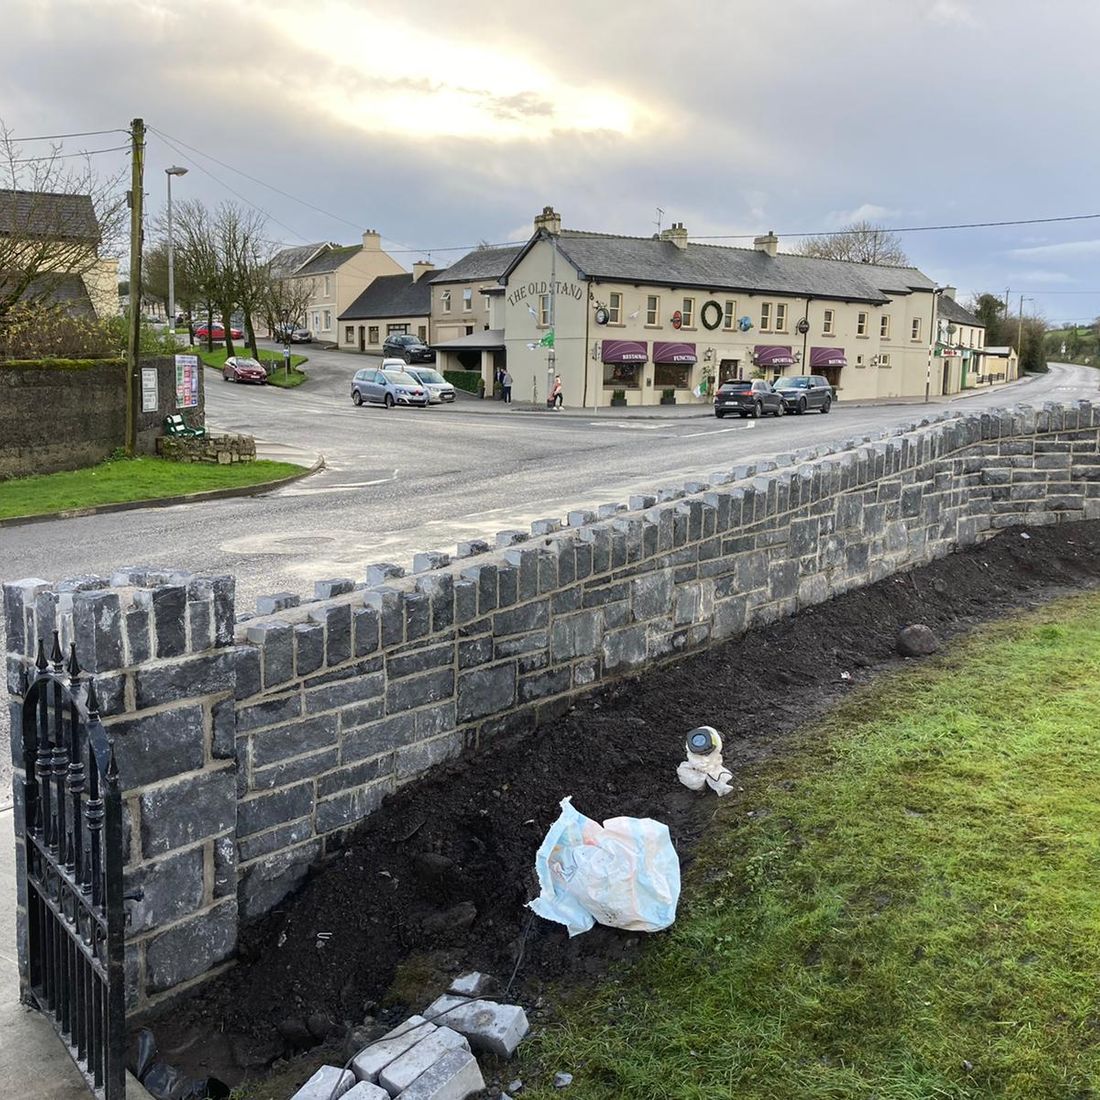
pixel 703 766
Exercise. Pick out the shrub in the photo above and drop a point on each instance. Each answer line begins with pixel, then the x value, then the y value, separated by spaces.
pixel 463 379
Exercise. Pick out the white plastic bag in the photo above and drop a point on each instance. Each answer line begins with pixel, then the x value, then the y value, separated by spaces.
pixel 624 873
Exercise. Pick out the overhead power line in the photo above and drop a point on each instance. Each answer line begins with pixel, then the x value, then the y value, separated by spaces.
pixel 69 156
pixel 62 137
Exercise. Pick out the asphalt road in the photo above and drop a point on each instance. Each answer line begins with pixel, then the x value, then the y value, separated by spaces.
pixel 416 479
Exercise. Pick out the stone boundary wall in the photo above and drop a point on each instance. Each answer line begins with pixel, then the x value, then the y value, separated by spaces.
pixel 248 749
pixel 212 450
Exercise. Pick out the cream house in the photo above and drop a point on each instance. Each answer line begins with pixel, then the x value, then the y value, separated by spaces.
pixel 961 356
pixel 335 276
pixel 390 304
pixel 50 252
pixel 637 318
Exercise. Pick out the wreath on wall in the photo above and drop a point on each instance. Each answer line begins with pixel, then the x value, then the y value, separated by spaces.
pixel 704 314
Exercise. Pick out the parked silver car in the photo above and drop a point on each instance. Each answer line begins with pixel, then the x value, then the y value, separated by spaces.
pixel 439 389
pixel 387 387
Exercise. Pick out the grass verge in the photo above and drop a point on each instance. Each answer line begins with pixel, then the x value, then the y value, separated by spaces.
pixel 216 360
pixel 909 912
pixel 123 480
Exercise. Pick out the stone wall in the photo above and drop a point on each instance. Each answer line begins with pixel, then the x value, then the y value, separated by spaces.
pixel 67 415
pixel 249 749
pixel 212 450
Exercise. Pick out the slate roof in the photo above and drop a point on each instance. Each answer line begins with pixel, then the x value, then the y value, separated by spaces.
pixel 330 259
pixel 289 260
pixel 391 296
pixel 720 267
pixel 47 215
pixel 68 292
pixel 951 309
pixel 482 263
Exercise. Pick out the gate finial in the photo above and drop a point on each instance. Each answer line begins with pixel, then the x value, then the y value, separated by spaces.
pixel 74 664
pixel 56 656
pixel 40 661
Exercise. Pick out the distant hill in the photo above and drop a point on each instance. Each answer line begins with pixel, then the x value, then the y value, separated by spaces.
pixel 1074 344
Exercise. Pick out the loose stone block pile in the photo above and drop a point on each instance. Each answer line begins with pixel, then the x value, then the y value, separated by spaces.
pixel 429 1056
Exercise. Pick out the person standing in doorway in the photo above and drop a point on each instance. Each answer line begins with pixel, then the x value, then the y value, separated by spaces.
pixel 506 385
pixel 556 397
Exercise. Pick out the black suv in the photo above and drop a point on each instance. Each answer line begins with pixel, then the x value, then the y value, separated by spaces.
pixel 748 397
pixel 403 345
pixel 805 391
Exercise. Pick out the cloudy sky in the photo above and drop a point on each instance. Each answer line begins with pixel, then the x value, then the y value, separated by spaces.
pixel 443 125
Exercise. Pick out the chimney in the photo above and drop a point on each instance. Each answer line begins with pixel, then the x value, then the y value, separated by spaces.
pixel 677 234
pixel 372 241
pixel 549 219
pixel 422 267
pixel 769 243
pixel 950 292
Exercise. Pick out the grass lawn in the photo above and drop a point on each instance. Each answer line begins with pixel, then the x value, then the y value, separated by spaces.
pixel 216 360
pixel 910 912
pixel 128 480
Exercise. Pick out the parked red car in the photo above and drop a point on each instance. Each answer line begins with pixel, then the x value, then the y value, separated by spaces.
pixel 216 331
pixel 242 368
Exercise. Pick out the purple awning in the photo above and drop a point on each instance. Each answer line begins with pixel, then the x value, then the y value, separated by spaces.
pixel 773 355
pixel 827 357
pixel 625 351
pixel 673 351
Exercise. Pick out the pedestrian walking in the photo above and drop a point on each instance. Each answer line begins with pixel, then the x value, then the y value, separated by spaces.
pixel 556 398
pixel 506 384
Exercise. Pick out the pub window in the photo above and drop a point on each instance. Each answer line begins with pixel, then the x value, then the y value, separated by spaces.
pixel 687 313
pixel 916 328
pixel 729 314
pixel 672 376
pixel 623 376
pixel 349 334
pixel 467 300
pixel 780 316
pixel 765 316
pixel 445 301
pixel 828 322
pixel 544 310
pixel 861 323
pixel 653 309
pixel 614 308
pixel 372 334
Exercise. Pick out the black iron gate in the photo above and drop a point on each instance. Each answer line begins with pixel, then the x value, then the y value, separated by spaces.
pixel 75 920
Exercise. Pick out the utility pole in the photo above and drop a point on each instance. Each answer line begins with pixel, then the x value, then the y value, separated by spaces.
pixel 137 175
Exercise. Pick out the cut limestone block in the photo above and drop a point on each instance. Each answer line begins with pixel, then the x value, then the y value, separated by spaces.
pixel 366 1091
pixel 401 1072
pixel 489 1026
pixel 370 1061
pixel 328 1082
pixel 453 1077
pixel 473 984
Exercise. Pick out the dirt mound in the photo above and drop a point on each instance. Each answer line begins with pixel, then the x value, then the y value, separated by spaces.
pixel 446 866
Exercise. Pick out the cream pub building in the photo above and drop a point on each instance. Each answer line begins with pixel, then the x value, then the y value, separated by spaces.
pixel 636 318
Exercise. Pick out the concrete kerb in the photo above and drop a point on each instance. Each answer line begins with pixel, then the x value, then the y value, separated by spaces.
pixel 166 502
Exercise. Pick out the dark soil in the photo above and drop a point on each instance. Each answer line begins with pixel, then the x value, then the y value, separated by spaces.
pixel 441 875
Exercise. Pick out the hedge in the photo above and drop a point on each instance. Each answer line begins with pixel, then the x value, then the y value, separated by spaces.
pixel 60 364
pixel 468 380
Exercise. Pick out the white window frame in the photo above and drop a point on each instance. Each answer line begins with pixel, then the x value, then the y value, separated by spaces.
pixel 729 314
pixel 862 317
pixel 653 312
pixel 765 316
pixel 445 301
pixel 687 313
pixel 327 320
pixel 828 322
pixel 327 287
pixel 915 328
pixel 884 327
pixel 372 335
pixel 780 316
pixel 349 334
pixel 545 309
pixel 884 360
pixel 316 322
pixel 467 300
pixel 615 308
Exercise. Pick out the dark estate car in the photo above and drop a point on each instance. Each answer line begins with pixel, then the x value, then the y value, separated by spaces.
pixel 411 348
pixel 805 391
pixel 748 397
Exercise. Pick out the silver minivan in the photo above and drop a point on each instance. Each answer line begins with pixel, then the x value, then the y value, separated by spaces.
pixel 439 389
pixel 387 387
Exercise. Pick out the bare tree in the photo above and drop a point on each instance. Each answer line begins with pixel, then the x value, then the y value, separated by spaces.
pixel 196 260
pixel 249 255
pixel 862 242
pixel 57 221
pixel 286 299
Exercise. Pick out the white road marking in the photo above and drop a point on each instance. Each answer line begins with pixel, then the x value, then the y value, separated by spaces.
pixel 716 431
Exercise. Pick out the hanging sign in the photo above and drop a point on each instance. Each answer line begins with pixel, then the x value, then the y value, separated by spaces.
pixel 187 381
pixel 677 319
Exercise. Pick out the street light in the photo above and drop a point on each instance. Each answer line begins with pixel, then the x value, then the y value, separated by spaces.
pixel 175 170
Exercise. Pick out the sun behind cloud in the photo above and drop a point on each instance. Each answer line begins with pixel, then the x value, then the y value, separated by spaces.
pixel 383 74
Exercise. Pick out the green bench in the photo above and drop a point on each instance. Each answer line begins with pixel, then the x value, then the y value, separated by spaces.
pixel 176 426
